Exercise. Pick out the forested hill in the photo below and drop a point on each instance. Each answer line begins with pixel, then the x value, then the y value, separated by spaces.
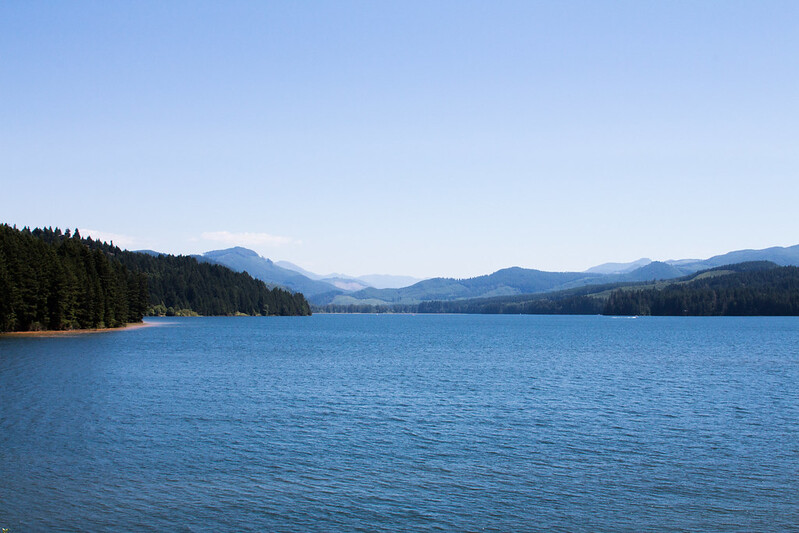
pixel 63 284
pixel 182 283
pixel 747 289
pixel 55 280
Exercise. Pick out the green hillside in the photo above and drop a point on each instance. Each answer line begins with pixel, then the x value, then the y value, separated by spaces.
pixel 758 288
pixel 182 283
pixel 54 280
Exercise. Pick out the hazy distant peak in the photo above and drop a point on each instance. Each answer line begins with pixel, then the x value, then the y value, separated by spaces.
pixel 619 268
pixel 296 268
pixel 236 250
pixel 680 262
pixel 387 281
pixel 313 275
pixel 378 281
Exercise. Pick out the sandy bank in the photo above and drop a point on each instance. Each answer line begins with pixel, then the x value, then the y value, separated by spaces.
pixel 67 332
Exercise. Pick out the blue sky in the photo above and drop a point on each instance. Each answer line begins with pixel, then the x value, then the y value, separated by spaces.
pixel 420 138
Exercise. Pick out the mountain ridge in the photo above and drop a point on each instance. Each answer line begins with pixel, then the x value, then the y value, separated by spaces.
pixel 346 290
pixel 755 288
pixel 618 268
pixel 516 280
pixel 240 259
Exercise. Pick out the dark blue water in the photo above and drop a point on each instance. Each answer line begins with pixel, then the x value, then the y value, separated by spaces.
pixel 404 423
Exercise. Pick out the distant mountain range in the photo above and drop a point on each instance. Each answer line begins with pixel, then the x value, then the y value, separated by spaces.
pixel 290 276
pixel 350 283
pixel 343 290
pixel 618 268
pixel 757 288
pixel 243 260
pixel 778 255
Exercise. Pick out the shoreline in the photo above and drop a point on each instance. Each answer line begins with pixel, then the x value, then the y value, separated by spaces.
pixel 70 332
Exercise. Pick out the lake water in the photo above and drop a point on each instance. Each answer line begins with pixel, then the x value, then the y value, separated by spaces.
pixel 404 423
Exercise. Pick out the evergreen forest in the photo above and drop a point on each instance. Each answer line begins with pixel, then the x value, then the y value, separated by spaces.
pixel 63 284
pixel 54 280
pixel 748 289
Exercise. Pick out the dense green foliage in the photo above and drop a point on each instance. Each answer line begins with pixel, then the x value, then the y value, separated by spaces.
pixel 181 283
pixel 754 289
pixel 54 280
pixel 572 305
pixel 50 280
pixel 525 305
pixel 577 301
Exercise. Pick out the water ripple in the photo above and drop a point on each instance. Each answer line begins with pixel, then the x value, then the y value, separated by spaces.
pixel 400 423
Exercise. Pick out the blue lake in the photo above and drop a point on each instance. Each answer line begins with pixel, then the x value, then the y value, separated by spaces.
pixel 404 423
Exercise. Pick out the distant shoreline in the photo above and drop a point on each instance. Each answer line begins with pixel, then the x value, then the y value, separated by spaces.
pixel 68 332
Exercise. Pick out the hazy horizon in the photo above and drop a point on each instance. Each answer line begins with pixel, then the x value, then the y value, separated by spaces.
pixel 410 138
pixel 325 273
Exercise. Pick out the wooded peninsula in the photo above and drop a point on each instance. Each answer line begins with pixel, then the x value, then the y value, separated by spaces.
pixel 54 280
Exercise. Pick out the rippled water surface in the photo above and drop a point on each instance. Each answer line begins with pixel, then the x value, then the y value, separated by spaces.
pixel 404 423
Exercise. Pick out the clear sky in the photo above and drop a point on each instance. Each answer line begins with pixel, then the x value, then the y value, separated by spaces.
pixel 422 138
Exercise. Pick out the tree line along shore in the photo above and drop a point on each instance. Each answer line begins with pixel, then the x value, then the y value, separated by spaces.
pixel 59 281
pixel 56 280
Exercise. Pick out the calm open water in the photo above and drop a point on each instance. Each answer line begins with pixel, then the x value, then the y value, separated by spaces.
pixel 404 423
